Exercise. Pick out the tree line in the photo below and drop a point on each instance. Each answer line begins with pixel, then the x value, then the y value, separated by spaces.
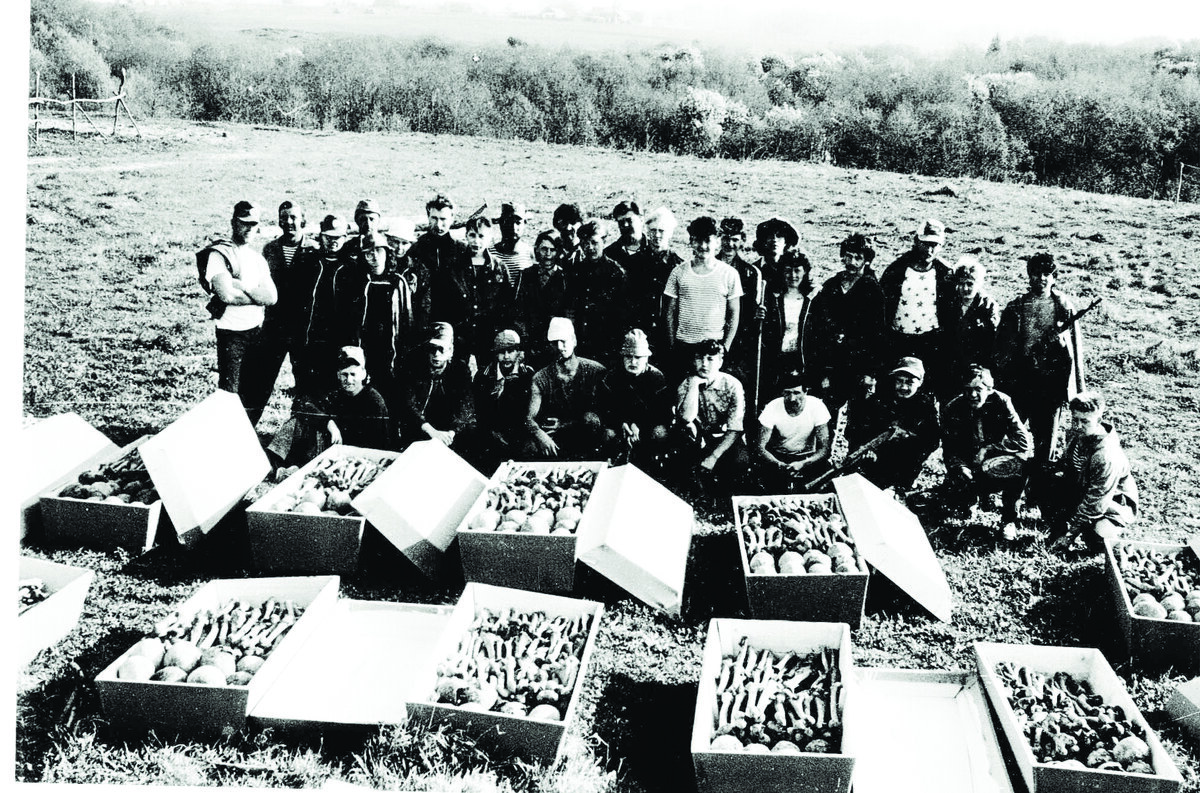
pixel 1099 118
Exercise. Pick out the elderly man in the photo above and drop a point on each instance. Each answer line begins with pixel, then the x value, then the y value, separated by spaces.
pixel 287 258
pixel 1090 494
pixel 562 420
pixel 793 441
pixel 710 407
pixel 904 406
pixel 436 249
pixel 986 447
pixel 919 300
pixel 501 391
pixel 646 285
pixel 635 405
pixel 239 280
pixel 434 399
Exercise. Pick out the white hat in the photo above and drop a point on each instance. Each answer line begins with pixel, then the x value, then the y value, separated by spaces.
pixel 561 328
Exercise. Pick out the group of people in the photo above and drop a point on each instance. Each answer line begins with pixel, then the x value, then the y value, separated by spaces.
pixel 724 369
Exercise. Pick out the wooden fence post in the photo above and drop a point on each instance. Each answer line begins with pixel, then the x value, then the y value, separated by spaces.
pixel 72 106
pixel 1179 187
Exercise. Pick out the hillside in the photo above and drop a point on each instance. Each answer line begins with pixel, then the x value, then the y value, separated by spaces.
pixel 115 331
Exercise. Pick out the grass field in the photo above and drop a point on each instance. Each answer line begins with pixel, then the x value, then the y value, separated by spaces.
pixel 115 331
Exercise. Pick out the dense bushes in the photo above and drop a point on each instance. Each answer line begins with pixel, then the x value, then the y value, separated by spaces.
pixel 1106 119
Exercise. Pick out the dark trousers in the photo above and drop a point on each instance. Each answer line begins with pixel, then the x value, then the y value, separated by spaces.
pixel 233 349
pixel 261 370
pixel 964 486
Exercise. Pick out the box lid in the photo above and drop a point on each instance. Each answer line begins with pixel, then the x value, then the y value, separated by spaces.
pixel 204 462
pixel 54 449
pixel 358 668
pixel 637 533
pixel 893 542
pixel 422 497
pixel 947 742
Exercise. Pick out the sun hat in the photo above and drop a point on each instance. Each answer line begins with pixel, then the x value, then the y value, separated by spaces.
pixel 560 329
pixel 513 210
pixel 910 365
pixel 246 212
pixel 506 340
pixel 776 227
pixel 931 231
pixel 635 343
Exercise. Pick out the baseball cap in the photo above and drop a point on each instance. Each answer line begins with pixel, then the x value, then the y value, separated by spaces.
pixel 333 226
pixel 931 231
pixel 912 366
pixel 246 212
pixel 367 206
pixel 350 356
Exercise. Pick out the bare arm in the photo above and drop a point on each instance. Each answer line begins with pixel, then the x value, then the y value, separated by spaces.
pixel 670 318
pixel 725 445
pixel 689 405
pixel 543 440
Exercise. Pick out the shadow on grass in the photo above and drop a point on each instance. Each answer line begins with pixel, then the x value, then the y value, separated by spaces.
pixel 714 586
pixel 647 727
pixel 1076 610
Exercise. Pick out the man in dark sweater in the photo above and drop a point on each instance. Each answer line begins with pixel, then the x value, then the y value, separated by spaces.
pixel 434 398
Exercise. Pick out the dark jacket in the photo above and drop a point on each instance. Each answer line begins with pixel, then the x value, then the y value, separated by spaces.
pixel 1097 467
pixel 893 279
pixel 473 300
pixel 1019 371
pixel 600 307
pixel 445 400
pixel 644 400
pixel 917 414
pixel 502 403
pixel 845 329
pixel 287 317
pixel 995 427
pixel 972 337
pixel 774 326
pixel 532 307
pixel 437 252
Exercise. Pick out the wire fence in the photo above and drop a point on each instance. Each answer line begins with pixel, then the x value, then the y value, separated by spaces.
pixel 77 106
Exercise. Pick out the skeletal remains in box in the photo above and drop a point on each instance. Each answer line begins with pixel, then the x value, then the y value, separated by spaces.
pixel 123 481
pixel 522 664
pixel 1163 586
pixel 215 647
pixel 30 592
pixel 1070 725
pixel 785 703
pixel 538 502
pixel 330 485
pixel 793 537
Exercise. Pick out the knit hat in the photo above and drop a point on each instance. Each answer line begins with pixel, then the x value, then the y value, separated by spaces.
pixel 506 340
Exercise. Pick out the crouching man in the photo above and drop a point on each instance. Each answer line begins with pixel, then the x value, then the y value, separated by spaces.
pixel 986 447
pixel 793 442
pixel 1090 492
pixel 562 421
pixel 710 413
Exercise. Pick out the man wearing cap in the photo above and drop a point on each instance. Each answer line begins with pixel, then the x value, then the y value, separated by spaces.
pixel 710 407
pixel 473 294
pixel 635 405
pixel 1039 368
pixel 373 308
pixel 434 398
pixel 919 297
pixel 501 391
pixel 629 249
pixel 562 421
pixel 240 282
pixel 435 248
pixel 600 300
pixel 904 406
pixel 287 258
pixel 319 330
pixel 793 441
pixel 352 413
pixel 511 253
pixel 367 216
pixel 986 447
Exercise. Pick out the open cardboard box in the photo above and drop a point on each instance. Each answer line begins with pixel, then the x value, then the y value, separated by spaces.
pixel 727 772
pixel 52 452
pixel 532 739
pixel 637 534
pixel 99 524
pixel 418 503
pixel 1184 707
pixel 188 709
pixel 833 597
pixel 302 543
pixel 204 462
pixel 1158 643
pixel 44 624
pixel 522 560
pixel 1082 663
pixel 927 731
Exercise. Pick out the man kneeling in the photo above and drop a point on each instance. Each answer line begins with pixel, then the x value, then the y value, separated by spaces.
pixel 1090 491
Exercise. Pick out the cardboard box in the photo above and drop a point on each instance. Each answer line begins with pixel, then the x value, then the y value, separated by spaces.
pixel 536 562
pixel 727 772
pixel 185 709
pixel 532 739
pixel 44 624
pixel 418 503
pixel 833 597
pixel 359 669
pixel 1157 643
pixel 1184 706
pixel 52 452
pixel 204 462
pixel 927 731
pixel 637 534
pixel 302 543
pixel 97 524
pixel 1082 663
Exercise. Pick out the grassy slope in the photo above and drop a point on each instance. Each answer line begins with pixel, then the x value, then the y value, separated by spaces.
pixel 115 332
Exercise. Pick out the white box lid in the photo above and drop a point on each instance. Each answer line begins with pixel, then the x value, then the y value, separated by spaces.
pixel 53 449
pixel 358 668
pixel 893 542
pixel 204 462
pixel 927 731
pixel 422 497
pixel 637 533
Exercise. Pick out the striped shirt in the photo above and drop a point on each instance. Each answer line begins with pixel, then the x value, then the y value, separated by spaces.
pixel 512 263
pixel 702 300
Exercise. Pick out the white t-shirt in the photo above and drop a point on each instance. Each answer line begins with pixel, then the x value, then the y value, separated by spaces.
pixel 702 299
pixel 252 271
pixel 793 435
